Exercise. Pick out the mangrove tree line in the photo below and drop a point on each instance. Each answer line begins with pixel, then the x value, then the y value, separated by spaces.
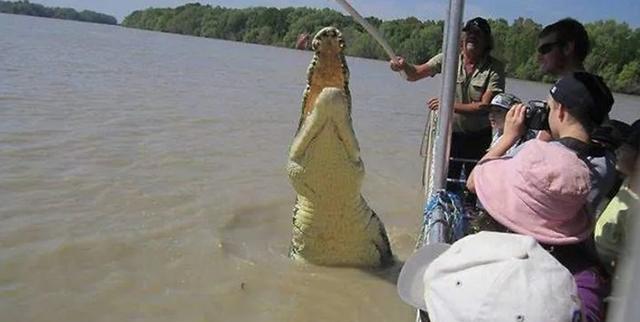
pixel 34 9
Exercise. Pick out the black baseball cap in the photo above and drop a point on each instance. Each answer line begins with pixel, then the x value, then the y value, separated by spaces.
pixel 478 23
pixel 582 90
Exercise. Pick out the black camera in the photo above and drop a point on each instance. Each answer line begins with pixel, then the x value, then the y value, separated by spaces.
pixel 537 115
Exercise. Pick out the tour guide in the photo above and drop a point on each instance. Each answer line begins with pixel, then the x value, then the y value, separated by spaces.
pixel 480 77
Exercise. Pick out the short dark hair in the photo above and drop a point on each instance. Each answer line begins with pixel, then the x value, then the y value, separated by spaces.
pixel 583 116
pixel 570 30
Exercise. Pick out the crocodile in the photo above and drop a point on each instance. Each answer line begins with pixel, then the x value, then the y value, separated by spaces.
pixel 332 223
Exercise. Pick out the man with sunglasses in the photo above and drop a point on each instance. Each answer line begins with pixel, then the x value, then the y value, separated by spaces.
pixel 480 78
pixel 562 47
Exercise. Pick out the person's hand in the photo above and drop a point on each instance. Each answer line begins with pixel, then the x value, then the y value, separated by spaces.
pixel 433 104
pixel 514 126
pixel 398 64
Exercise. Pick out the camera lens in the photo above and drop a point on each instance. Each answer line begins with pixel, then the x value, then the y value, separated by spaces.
pixel 537 115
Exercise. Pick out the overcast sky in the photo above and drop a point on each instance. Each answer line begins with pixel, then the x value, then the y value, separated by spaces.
pixel 541 11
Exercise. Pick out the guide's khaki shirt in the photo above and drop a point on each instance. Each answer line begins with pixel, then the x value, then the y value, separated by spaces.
pixel 488 76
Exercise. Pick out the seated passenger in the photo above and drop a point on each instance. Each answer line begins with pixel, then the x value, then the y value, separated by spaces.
pixel 612 227
pixel 489 276
pixel 500 105
pixel 543 189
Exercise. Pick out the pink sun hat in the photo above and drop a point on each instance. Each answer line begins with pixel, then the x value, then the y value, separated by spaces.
pixel 540 192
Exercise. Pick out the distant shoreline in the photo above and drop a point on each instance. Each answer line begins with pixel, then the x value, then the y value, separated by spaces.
pixel 27 8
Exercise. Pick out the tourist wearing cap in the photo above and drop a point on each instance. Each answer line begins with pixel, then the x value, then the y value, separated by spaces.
pixel 480 77
pixel 588 97
pixel 489 276
pixel 500 105
pixel 543 190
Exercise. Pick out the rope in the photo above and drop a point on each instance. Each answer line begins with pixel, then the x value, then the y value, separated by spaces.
pixel 454 219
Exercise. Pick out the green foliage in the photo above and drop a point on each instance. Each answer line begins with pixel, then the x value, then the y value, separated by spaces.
pixel 362 45
pixel 528 70
pixel 610 42
pixel 628 80
pixel 34 9
pixel 516 44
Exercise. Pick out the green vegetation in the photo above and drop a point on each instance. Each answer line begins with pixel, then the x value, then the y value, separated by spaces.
pixel 34 9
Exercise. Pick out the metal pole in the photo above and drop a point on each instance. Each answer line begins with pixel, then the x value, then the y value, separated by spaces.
pixel 431 131
pixel 445 113
pixel 437 161
pixel 441 148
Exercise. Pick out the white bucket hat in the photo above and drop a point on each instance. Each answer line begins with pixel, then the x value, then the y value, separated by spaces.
pixel 492 277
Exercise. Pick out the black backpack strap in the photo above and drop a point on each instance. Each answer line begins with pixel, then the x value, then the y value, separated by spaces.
pixel 584 150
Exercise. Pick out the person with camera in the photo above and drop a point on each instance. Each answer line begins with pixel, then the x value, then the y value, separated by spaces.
pixel 543 189
pixel 480 77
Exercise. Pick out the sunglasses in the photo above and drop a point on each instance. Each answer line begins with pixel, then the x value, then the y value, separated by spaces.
pixel 543 49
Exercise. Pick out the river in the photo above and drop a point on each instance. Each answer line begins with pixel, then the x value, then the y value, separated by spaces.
pixel 142 177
